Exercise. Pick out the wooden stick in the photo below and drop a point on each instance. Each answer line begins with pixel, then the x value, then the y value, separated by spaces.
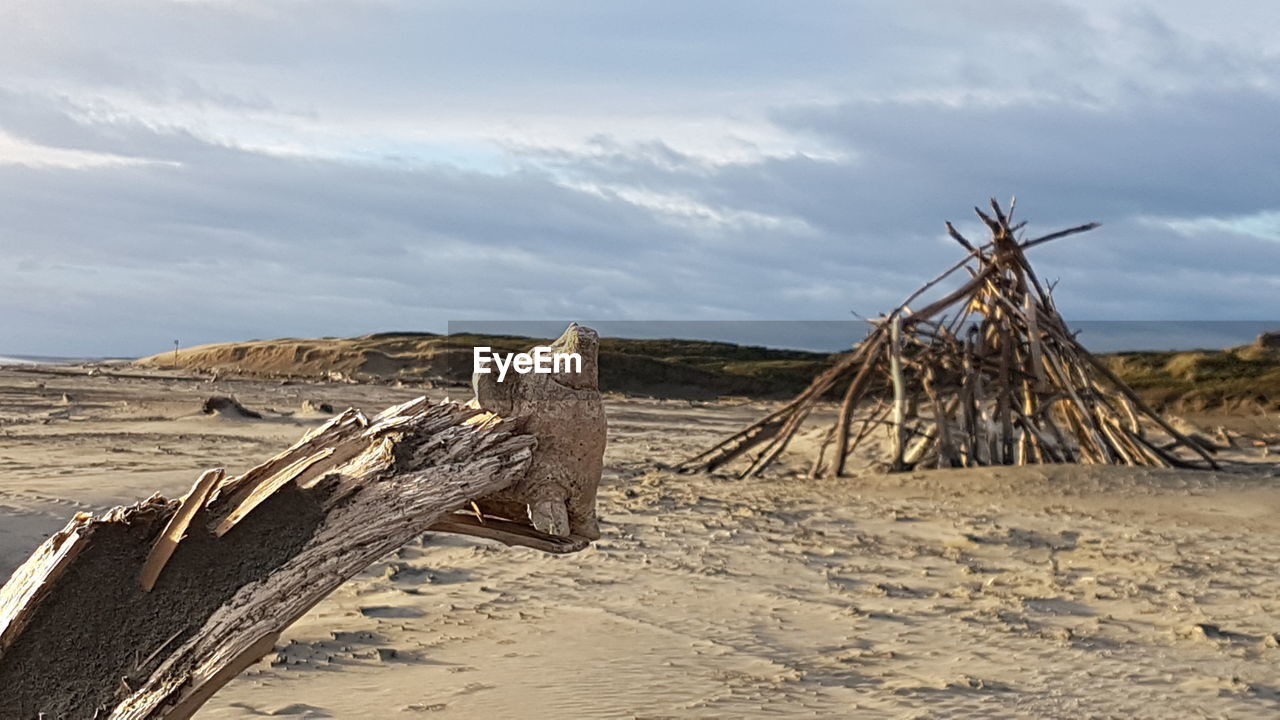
pixel 1035 346
pixel 509 533
pixel 873 419
pixel 946 452
pixel 851 398
pixel 1146 409
pixel 769 426
pixel 1060 234
pixel 779 443
pixel 899 389
pixel 955 235
pixel 1006 399
pixel 176 529
pixel 253 494
pixel 819 458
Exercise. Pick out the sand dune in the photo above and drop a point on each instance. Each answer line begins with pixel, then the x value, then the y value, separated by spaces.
pixel 1033 592
pixel 1244 380
pixel 662 368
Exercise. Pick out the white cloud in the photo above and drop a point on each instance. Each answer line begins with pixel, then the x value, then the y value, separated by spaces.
pixel 1265 225
pixel 353 165
pixel 17 151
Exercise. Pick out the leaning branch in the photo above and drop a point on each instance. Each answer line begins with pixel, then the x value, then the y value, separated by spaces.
pixel 144 612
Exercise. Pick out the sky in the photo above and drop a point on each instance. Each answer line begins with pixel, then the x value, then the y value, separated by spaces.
pixel 213 170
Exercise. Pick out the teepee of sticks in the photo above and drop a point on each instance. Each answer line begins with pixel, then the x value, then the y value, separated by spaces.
pixel 988 374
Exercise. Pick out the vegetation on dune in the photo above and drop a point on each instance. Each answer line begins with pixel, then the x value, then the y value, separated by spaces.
pixel 1242 378
pixel 669 368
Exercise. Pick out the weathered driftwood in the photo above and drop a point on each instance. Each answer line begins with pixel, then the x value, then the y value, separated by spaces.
pixel 988 374
pixel 146 611
pixel 565 412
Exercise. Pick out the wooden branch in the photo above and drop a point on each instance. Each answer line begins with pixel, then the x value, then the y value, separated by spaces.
pixel 997 229
pixel 946 452
pixel 855 392
pixel 1005 398
pixel 899 390
pixel 766 428
pixel 819 458
pixel 176 529
pixel 964 242
pixel 1137 401
pixel 509 533
pixel 1060 234
pixel 81 637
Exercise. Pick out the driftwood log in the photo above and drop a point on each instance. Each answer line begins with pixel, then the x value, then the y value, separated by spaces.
pixel 146 611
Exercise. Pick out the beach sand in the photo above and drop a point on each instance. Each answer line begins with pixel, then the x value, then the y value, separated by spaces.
pixel 1040 592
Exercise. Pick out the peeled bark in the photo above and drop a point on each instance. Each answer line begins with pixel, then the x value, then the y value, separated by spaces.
pixel 146 611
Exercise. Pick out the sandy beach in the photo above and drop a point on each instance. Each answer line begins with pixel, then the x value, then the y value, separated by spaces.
pixel 1054 591
pixel 907 360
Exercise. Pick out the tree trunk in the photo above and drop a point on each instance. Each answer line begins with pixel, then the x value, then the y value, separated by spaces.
pixel 146 611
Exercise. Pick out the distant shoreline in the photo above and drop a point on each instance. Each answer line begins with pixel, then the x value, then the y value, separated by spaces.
pixel 57 360
pixel 831 336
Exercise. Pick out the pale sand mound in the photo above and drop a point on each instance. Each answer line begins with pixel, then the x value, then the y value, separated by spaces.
pixel 314 408
pixel 367 357
pixel 225 406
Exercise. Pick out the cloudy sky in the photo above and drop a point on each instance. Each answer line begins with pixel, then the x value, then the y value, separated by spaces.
pixel 227 169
